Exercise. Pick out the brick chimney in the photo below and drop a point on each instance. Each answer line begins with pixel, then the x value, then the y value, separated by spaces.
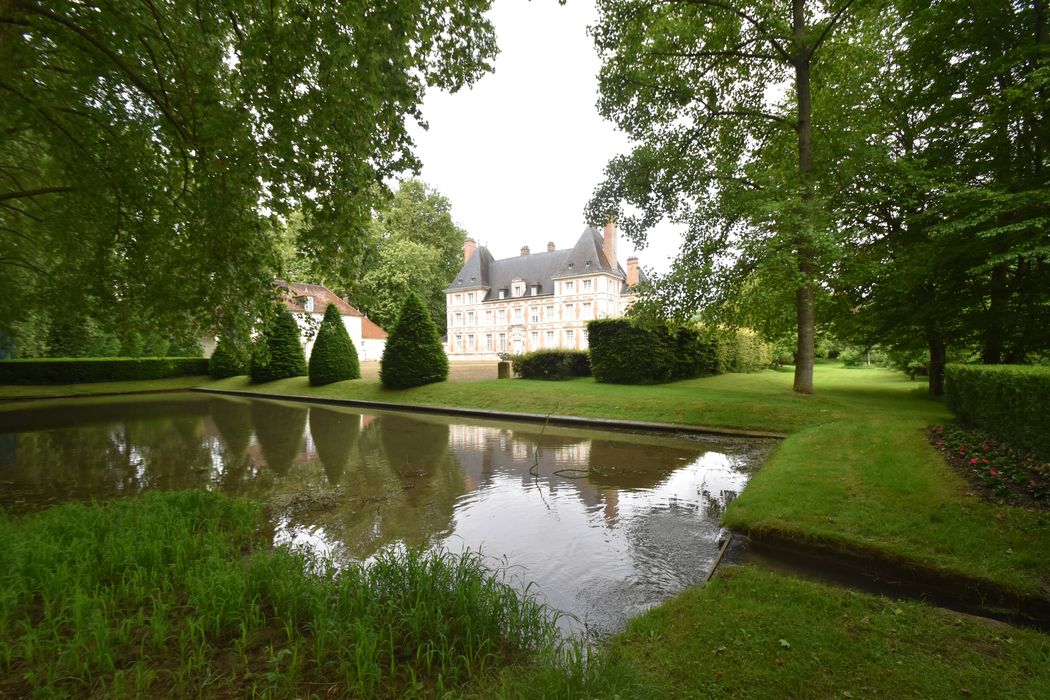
pixel 550 247
pixel 632 272
pixel 609 244
pixel 469 246
pixel 524 250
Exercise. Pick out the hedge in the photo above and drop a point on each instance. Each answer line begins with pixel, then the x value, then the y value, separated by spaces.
pixel 334 357
pixel 413 355
pixel 623 352
pixel 84 370
pixel 1010 401
pixel 552 364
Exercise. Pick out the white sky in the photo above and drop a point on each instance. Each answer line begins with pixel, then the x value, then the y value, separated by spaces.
pixel 519 155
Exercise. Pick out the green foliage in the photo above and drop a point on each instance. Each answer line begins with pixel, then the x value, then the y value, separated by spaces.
pixel 1007 400
pixel 413 355
pixel 98 369
pixel 740 350
pixel 231 357
pixel 333 357
pixel 143 142
pixel 552 364
pixel 626 352
pixel 149 596
pixel 277 353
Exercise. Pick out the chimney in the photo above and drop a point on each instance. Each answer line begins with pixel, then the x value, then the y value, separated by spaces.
pixel 550 247
pixel 632 272
pixel 609 236
pixel 469 245
pixel 524 250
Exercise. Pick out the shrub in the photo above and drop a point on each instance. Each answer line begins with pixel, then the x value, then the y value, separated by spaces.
pixel 413 355
pixel 83 370
pixel 1009 401
pixel 334 357
pixel 552 364
pixel 624 352
pixel 231 357
pixel 740 350
pixel 277 353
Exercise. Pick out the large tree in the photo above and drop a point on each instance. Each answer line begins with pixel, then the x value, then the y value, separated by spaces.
pixel 740 135
pixel 145 144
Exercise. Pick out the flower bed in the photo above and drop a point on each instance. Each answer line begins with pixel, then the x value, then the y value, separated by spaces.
pixel 1001 472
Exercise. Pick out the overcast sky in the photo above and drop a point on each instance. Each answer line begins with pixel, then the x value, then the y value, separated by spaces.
pixel 519 155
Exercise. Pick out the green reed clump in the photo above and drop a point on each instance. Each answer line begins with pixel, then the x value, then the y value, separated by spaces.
pixel 177 594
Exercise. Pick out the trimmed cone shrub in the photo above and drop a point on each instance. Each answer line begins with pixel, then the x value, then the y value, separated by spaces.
pixel 413 355
pixel 334 357
pixel 277 353
pixel 231 357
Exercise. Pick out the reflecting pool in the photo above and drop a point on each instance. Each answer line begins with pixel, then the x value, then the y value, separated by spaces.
pixel 603 524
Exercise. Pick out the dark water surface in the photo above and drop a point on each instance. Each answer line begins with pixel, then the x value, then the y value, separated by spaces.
pixel 604 523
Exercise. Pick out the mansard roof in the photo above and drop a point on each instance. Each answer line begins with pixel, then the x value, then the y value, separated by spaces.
pixel 535 269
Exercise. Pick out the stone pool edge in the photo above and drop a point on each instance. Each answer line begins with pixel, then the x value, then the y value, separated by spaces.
pixel 551 419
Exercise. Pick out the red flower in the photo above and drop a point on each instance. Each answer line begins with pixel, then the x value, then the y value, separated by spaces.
pixel 984 461
pixel 974 460
pixel 992 472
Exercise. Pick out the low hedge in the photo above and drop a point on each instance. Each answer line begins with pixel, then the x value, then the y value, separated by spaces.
pixel 1008 400
pixel 84 370
pixel 623 352
pixel 552 364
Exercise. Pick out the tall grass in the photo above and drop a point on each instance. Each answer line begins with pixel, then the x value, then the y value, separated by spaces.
pixel 176 594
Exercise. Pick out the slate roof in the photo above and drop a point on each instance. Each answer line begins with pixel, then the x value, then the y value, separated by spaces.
pixel 483 272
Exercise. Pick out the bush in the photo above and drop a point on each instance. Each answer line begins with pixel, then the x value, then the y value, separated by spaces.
pixel 231 357
pixel 83 370
pixel 334 357
pixel 623 352
pixel 740 350
pixel 1009 401
pixel 413 355
pixel 552 364
pixel 277 353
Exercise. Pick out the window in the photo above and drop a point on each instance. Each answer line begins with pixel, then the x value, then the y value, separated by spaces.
pixel 488 317
pixel 570 338
pixel 502 342
pixel 459 318
pixel 457 298
pixel 488 342
pixel 535 339
pixel 535 290
pixel 503 294
pixel 586 285
pixel 459 343
pixel 568 287
pixel 550 339
pixel 517 314
pixel 586 309
pixel 534 314
pixel 519 289
pixel 470 317
pixel 309 304
pixel 470 297
pixel 550 312
pixel 470 343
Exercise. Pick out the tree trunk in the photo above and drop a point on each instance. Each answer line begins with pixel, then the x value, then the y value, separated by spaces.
pixel 938 358
pixel 992 353
pixel 804 296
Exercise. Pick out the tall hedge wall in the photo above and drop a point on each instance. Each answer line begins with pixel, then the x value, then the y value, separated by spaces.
pixel 623 352
pixel 1012 401
pixel 552 364
pixel 84 370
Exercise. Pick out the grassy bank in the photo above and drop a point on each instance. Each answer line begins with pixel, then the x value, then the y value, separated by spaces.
pixel 753 634
pixel 44 390
pixel 178 595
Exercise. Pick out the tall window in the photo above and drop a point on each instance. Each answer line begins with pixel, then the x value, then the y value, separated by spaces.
pixel 586 285
pixel 470 317
pixel 517 314
pixel 470 297
pixel 459 343
pixel 519 289
pixel 534 314
pixel 309 305
pixel 570 338
pixel 470 343
pixel 457 298
pixel 586 309
pixel 567 287
pixel 459 318
pixel 488 317
pixel 535 339
pixel 502 342
pixel 550 339
pixel 550 312
pixel 488 342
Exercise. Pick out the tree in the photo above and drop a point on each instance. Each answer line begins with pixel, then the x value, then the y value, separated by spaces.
pixel 142 138
pixel 232 357
pixel 333 358
pixel 413 355
pixel 277 353
pixel 693 82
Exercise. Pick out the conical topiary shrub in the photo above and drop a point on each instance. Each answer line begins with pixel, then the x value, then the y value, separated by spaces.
pixel 231 357
pixel 413 355
pixel 277 353
pixel 334 357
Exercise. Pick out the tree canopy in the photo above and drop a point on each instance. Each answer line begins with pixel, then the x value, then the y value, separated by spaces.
pixel 142 138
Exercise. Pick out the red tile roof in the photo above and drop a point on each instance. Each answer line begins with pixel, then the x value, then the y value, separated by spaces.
pixel 371 331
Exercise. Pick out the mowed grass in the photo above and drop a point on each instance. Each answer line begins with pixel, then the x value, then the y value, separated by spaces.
pixel 178 595
pixel 11 391
pixel 752 634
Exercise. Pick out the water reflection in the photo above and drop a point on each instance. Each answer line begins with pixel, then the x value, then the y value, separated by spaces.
pixel 604 523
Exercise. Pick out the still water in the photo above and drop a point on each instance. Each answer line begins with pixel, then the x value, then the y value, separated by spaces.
pixel 604 524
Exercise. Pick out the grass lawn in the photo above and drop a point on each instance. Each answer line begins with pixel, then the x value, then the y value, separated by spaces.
pixel 9 391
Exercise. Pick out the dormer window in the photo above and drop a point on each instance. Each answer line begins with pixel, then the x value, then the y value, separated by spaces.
pixel 570 266
pixel 519 289
pixel 503 294
pixel 308 304
pixel 535 290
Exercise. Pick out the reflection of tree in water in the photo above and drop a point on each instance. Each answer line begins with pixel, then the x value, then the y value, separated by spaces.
pixel 335 434
pixel 627 465
pixel 715 506
pixel 279 428
pixel 233 419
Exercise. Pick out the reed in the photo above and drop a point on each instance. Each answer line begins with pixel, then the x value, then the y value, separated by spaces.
pixel 178 594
